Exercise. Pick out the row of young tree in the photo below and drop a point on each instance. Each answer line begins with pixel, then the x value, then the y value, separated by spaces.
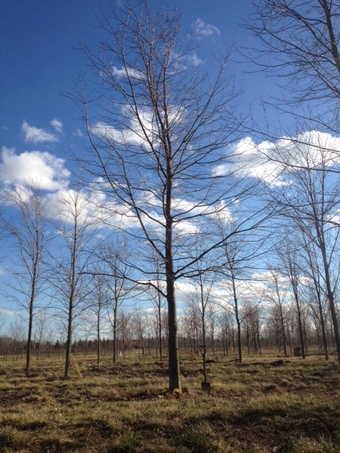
pixel 167 206
pixel 272 327
pixel 90 291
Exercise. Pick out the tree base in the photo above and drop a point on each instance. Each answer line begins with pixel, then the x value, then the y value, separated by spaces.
pixel 205 386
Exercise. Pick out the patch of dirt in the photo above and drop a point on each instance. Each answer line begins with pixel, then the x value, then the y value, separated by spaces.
pixel 280 428
pixel 13 397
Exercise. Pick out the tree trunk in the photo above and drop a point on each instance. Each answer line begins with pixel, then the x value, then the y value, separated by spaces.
pixel 160 329
pixel 174 373
pixel 298 309
pixel 98 337
pixel 114 339
pixel 29 339
pixel 239 340
pixel 323 329
pixel 331 301
pixel 69 341
pixel 238 322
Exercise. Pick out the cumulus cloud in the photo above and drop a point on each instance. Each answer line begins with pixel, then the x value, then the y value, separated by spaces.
pixel 112 134
pixel 133 133
pixel 32 134
pixel 35 167
pixel 250 160
pixel 91 207
pixel 130 135
pixel 270 162
pixel 205 30
pixel 310 149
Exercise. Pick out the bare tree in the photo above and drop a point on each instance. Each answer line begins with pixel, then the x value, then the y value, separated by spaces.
pixel 70 262
pixel 235 263
pixel 158 140
pixel 291 269
pixel 157 291
pixel 43 322
pixel 316 291
pixel 100 299
pixel 120 283
pixel 252 326
pixel 201 300
pixel 276 292
pixel 125 332
pixel 17 334
pixel 226 328
pixel 191 325
pixel 311 205
pixel 139 322
pixel 28 226
pixel 299 42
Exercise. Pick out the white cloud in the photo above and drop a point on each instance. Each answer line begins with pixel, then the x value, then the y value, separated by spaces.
pixel 250 160
pixel 35 167
pixel 269 161
pixel 130 135
pixel 133 133
pixel 92 206
pixel 57 125
pixel 311 148
pixel 182 63
pixel 111 134
pixel 36 135
pixel 130 72
pixel 193 59
pixel 203 29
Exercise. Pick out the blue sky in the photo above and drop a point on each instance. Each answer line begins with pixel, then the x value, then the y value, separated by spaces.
pixel 39 48
pixel 40 43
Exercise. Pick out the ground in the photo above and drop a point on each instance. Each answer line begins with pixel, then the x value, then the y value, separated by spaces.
pixel 266 404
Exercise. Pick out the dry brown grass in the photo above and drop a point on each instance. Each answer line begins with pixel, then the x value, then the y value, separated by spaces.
pixel 263 405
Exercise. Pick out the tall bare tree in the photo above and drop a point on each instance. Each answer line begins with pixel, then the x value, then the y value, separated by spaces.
pixel 100 298
pixel 29 228
pixel 201 302
pixel 42 326
pixel 235 263
pixel 119 283
pixel 158 140
pixel 310 203
pixel 276 292
pixel 291 269
pixel 70 261
pixel 312 269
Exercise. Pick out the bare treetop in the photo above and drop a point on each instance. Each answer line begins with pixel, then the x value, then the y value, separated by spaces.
pixel 300 40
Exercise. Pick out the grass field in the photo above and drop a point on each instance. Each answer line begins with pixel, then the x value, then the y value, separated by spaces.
pixel 263 405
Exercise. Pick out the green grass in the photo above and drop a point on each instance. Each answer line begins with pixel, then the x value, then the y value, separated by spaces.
pixel 263 405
